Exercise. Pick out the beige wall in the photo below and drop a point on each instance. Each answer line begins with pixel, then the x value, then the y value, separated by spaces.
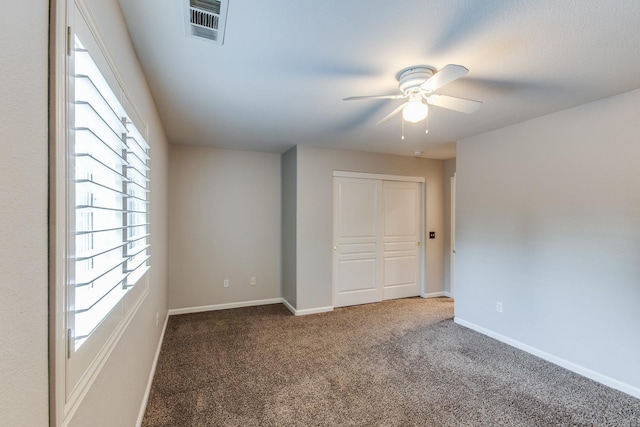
pixel 315 168
pixel 289 224
pixel 448 170
pixel 548 223
pixel 224 224
pixel 23 214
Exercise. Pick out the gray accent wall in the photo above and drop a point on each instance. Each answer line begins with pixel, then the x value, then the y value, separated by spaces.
pixel 548 223
pixel 314 237
pixel 225 223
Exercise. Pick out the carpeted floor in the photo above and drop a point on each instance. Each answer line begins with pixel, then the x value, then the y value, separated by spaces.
pixel 395 363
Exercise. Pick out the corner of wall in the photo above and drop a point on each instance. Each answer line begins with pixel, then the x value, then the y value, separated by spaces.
pixel 289 226
pixel 448 171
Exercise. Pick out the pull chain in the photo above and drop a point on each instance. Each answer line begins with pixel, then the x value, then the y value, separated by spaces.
pixel 402 118
pixel 426 120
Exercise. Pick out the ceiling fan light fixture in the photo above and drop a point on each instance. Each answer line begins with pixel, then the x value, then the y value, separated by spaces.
pixel 418 84
pixel 415 111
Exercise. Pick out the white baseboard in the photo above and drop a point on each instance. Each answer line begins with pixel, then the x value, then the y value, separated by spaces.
pixel 307 311
pixel 289 306
pixel 434 295
pixel 214 307
pixel 145 398
pixel 596 376
pixel 226 306
pixel 314 310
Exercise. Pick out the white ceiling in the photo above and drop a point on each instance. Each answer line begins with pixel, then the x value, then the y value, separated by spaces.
pixel 285 66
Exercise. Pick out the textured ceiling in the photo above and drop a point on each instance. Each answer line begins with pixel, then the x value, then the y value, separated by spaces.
pixel 279 78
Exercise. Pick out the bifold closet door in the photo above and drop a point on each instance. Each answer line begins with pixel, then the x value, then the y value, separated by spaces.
pixel 357 263
pixel 376 253
pixel 401 239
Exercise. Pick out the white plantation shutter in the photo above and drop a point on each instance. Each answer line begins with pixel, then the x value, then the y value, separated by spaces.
pixel 110 195
pixel 99 206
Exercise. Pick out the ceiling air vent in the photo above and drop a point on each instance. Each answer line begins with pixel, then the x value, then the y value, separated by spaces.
pixel 206 19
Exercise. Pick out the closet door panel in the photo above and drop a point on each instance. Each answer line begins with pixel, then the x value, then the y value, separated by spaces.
pixel 401 239
pixel 357 262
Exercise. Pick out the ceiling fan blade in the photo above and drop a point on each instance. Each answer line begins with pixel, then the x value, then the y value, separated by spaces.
pixel 452 103
pixel 446 75
pixel 393 113
pixel 356 98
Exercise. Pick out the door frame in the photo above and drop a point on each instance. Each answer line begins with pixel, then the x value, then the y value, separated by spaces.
pixel 452 239
pixel 423 211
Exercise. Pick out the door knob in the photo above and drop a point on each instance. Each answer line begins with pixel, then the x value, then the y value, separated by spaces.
pixel 418 243
pixel 335 248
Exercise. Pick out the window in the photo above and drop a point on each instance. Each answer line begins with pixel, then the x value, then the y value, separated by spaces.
pixel 110 177
pixel 99 207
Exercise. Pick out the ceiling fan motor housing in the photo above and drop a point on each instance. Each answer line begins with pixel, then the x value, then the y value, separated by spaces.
pixel 412 77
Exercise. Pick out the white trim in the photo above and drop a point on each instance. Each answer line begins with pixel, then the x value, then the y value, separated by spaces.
pixel 581 370
pixel 346 174
pixel 314 310
pixel 226 306
pixel 215 307
pixel 452 236
pixel 306 311
pixel 57 208
pixel 289 306
pixel 424 238
pixel 435 294
pixel 145 398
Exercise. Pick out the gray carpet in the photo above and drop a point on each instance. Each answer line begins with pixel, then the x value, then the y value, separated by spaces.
pixel 396 363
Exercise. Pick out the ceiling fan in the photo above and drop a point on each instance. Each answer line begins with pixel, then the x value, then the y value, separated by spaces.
pixel 417 85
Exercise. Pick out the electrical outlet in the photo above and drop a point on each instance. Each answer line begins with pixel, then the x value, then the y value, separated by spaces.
pixel 253 281
pixel 157 318
pixel 498 306
pixel 226 283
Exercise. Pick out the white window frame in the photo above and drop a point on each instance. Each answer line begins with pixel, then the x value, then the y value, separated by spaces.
pixel 72 377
